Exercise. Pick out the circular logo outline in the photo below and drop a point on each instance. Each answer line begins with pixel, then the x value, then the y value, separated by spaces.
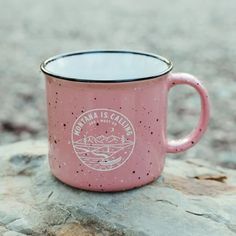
pixel 110 110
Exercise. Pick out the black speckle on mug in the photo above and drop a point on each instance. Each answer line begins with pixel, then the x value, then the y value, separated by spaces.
pixel 59 166
pixel 49 104
pixel 140 121
pixel 82 111
pixel 97 124
pixel 133 171
pixel 149 127
pixel 55 141
pixel 55 101
pixel 200 130
pixel 139 177
pixel 72 113
pixel 89 185
pixel 192 142
pixel 82 170
pixel 100 185
pixel 150 163
pixel 120 107
pixel 59 84
pixel 147 173
pixel 157 120
pixel 148 150
pixel 86 154
pixel 106 132
pixel 173 83
pixel 151 132
pixel 56 93
pixel 64 125
pixel 77 171
pixel 95 98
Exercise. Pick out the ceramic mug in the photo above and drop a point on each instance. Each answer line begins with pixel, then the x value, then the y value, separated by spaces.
pixel 107 113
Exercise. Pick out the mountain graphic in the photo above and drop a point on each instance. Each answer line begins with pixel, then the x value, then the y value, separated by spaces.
pixel 103 149
pixel 102 139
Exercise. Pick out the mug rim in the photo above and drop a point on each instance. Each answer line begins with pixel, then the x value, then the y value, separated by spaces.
pixel 59 56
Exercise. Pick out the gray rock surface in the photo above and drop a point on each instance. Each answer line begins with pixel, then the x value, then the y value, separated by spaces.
pixel 191 198
pixel 198 36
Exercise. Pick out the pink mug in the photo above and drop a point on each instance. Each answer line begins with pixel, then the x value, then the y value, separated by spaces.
pixel 107 113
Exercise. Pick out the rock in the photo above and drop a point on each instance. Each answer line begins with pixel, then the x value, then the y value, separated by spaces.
pixel 191 198
pixel 20 225
pixel 12 233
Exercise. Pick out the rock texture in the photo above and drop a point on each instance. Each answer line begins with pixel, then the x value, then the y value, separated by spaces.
pixel 191 198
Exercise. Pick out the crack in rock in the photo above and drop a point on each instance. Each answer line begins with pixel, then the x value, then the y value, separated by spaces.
pixel 166 201
pixel 49 195
pixel 215 218
pixel 218 178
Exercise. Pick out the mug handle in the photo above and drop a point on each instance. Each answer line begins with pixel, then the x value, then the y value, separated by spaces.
pixel 183 144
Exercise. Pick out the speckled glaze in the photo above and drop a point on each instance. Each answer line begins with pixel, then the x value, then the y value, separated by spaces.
pixel 137 112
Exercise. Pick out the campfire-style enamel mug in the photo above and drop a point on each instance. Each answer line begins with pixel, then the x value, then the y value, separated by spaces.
pixel 107 113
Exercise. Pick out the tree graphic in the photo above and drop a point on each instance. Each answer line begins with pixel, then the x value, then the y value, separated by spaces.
pixel 85 137
pixel 123 139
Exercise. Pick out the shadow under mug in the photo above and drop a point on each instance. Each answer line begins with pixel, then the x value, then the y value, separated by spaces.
pixel 107 113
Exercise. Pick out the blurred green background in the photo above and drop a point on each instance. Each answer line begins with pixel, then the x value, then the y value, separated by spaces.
pixel 198 36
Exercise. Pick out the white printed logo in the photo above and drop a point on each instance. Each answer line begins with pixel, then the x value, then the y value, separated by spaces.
pixel 103 139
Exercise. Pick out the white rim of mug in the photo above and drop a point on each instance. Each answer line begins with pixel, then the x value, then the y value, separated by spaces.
pixel 158 57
